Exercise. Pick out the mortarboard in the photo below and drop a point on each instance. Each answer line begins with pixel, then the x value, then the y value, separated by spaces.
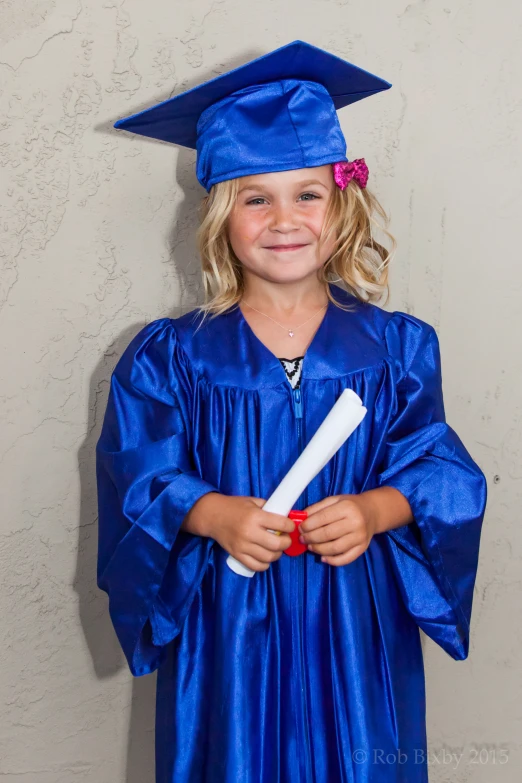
pixel 274 113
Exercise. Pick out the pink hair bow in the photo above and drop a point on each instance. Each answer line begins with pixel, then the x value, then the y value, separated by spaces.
pixel 345 171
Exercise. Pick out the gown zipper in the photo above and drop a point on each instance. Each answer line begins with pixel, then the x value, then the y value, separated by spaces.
pixel 298 409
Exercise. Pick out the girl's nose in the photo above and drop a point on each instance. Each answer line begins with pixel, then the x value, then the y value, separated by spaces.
pixel 284 218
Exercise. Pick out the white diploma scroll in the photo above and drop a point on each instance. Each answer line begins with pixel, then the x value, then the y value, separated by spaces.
pixel 346 414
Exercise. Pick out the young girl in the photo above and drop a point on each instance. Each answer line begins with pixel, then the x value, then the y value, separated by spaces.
pixel 310 671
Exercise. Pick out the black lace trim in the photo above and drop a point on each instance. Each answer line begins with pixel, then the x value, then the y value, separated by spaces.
pixel 290 373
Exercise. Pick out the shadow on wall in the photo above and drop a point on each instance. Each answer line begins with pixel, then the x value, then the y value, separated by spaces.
pixel 101 639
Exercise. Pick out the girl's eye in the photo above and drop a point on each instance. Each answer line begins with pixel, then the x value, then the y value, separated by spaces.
pixel 260 198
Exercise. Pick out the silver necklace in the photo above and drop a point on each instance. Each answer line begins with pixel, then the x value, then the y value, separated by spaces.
pixel 291 332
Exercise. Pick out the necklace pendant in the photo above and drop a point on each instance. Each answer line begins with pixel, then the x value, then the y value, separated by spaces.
pixel 290 333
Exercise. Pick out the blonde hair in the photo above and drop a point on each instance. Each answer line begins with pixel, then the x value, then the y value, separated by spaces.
pixel 359 261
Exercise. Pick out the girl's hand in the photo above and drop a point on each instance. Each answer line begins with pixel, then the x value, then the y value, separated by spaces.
pixel 241 527
pixel 339 528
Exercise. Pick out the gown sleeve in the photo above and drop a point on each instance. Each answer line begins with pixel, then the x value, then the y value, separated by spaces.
pixel 147 482
pixel 435 557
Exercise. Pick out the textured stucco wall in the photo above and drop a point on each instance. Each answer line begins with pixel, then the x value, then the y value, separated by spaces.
pixel 97 238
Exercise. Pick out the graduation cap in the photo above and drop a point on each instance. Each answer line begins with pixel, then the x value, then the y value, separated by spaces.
pixel 274 113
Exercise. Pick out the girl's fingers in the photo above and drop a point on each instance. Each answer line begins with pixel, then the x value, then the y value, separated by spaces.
pixel 329 532
pixel 278 522
pixel 272 541
pixel 324 503
pixel 337 547
pixel 262 553
pixel 344 559
pixel 252 563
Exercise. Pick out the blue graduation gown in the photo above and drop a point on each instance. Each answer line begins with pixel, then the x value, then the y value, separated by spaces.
pixel 305 673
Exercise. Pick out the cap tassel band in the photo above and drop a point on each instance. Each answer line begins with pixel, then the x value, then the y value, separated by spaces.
pixel 345 171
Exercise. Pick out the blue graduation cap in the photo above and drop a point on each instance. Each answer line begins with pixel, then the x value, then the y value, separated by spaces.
pixel 274 113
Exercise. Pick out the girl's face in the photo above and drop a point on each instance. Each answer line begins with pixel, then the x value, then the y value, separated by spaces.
pixel 275 224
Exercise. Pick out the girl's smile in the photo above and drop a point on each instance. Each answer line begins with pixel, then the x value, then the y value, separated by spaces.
pixel 284 248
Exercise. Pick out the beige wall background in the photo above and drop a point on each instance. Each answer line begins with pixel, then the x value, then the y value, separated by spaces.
pixel 97 238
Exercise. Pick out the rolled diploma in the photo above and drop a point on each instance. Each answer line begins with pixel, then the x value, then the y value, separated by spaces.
pixel 345 415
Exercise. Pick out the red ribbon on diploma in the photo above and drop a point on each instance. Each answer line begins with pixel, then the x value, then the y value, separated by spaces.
pixel 296 548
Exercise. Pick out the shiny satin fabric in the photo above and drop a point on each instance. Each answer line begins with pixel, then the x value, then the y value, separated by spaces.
pixel 294 117
pixel 305 673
